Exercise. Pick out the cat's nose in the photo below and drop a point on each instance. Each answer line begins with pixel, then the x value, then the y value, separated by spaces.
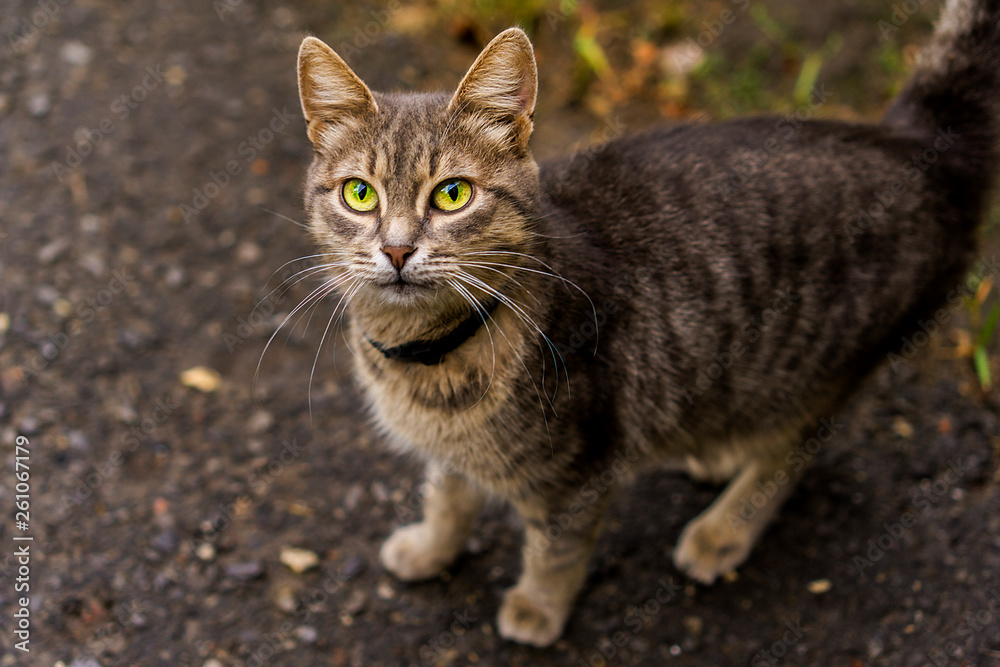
pixel 398 254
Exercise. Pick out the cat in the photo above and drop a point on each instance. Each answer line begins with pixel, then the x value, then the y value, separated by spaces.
pixel 538 334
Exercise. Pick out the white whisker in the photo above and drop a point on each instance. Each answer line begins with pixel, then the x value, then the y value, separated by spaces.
pixel 472 302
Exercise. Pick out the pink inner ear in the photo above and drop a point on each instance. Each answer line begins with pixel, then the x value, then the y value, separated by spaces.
pixel 524 93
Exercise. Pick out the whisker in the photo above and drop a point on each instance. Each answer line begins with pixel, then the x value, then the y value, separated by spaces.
pixel 319 348
pixel 284 217
pixel 538 394
pixel 472 302
pixel 317 293
pixel 554 274
pixel 302 275
pixel 531 324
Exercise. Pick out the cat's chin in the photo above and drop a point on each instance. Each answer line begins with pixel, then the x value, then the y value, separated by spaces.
pixel 404 293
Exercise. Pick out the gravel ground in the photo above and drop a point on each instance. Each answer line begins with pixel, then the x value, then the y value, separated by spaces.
pixel 143 148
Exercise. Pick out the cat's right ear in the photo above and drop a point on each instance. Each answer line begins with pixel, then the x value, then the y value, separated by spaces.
pixel 330 92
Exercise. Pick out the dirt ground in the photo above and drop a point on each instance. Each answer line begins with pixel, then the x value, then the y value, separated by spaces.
pixel 149 156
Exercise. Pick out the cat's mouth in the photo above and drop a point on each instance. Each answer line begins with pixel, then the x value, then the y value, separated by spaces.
pixel 405 288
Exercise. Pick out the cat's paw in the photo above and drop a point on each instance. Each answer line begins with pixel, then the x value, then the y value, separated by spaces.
pixel 709 547
pixel 412 553
pixel 527 620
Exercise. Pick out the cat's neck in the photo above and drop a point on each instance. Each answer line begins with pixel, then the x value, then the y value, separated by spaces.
pixel 389 325
pixel 445 314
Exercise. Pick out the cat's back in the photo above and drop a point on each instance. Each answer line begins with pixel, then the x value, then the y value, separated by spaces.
pixel 769 185
pixel 706 225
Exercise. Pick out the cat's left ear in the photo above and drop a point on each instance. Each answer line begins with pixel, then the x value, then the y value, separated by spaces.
pixel 500 89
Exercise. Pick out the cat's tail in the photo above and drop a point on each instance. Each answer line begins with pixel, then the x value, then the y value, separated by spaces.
pixel 955 92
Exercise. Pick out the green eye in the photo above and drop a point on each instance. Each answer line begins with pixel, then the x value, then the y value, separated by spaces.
pixel 451 195
pixel 360 195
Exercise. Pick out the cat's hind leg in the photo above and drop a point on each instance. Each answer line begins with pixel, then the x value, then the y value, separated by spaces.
pixel 422 550
pixel 720 538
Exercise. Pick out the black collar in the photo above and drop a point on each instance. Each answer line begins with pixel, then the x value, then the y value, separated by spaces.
pixel 432 352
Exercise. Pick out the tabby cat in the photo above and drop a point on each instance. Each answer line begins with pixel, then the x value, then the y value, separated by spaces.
pixel 535 333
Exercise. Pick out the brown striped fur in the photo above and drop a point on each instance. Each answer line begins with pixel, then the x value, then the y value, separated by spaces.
pixel 651 310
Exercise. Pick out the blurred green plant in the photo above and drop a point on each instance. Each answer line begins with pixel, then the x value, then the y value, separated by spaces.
pixel 982 331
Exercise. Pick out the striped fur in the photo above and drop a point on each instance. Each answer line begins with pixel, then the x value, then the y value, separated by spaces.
pixel 704 295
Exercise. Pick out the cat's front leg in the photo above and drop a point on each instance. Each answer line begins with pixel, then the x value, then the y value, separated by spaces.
pixel 422 550
pixel 558 542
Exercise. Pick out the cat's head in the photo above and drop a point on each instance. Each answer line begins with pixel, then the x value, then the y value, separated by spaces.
pixel 419 197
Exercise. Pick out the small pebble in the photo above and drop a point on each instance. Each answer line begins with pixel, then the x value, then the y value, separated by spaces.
pixel 90 223
pixel 819 586
pixel 175 276
pixel 353 497
pixel 902 428
pixel 76 53
pixel 201 378
pixel 51 251
pixel 248 252
pixel 298 560
pixel 385 591
pixel 165 541
pixel 160 506
pixel 62 308
pixel 356 602
pixel 47 294
pixel 39 105
pixel 260 422
pixel 205 552
pixel 28 426
pixel 284 597
pixel 77 440
pixel 245 570
pixel 353 566
pixel 306 634
pixel 693 624
pixel 380 492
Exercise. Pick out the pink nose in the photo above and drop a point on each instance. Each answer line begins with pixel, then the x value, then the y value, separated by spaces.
pixel 398 254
